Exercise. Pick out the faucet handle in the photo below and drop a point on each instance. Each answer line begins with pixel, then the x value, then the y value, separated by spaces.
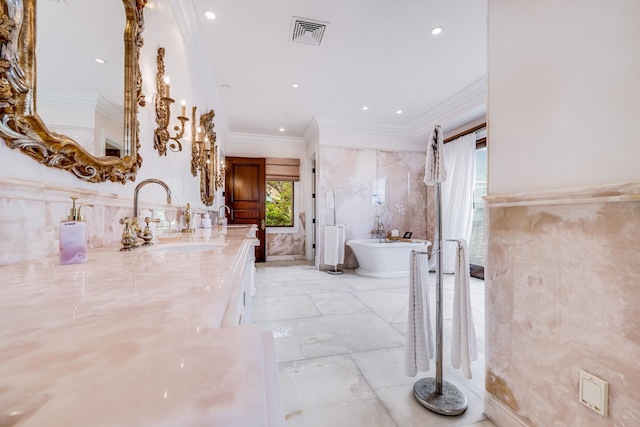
pixel 126 221
pixel 128 239
pixel 147 235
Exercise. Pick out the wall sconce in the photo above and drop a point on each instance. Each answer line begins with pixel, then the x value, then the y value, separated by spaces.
pixel 219 178
pixel 204 153
pixel 163 112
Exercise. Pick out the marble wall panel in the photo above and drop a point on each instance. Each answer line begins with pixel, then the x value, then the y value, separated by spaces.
pixel 30 214
pixel 288 245
pixel 353 176
pixel 405 204
pixel 563 294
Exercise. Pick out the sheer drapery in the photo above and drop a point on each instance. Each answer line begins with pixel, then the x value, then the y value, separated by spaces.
pixel 457 197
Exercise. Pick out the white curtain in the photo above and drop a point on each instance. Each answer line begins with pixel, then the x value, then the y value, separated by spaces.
pixel 457 197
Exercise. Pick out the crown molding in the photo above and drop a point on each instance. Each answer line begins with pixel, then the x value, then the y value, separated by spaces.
pixel 110 110
pixel 253 138
pixel 465 106
pixel 98 103
pixel 68 98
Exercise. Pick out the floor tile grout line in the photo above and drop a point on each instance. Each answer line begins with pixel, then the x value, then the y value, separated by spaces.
pixel 374 391
pixel 384 320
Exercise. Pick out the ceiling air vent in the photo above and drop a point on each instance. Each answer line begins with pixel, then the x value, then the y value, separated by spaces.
pixel 307 31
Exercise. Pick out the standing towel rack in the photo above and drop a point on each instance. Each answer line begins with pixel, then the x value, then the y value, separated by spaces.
pixel 435 394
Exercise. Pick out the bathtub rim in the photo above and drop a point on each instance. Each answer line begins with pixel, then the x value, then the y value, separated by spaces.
pixel 381 275
pixel 375 244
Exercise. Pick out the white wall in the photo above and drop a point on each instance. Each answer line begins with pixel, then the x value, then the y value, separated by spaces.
pixel 161 30
pixel 564 85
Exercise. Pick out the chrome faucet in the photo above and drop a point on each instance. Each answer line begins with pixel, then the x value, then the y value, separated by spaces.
pixel 379 231
pixel 222 208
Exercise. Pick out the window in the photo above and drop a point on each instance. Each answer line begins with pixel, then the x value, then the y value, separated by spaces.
pixel 279 203
pixel 281 175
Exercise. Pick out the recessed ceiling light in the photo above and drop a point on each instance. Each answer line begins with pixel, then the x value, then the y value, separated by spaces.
pixel 295 85
pixel 365 108
pixel 281 129
pixel 399 112
pixel 436 30
pixel 101 61
pixel 225 86
pixel 209 14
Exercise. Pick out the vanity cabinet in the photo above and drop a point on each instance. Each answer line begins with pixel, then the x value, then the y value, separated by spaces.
pixel 238 311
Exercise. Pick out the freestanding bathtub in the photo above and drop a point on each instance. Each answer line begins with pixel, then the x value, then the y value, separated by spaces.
pixel 384 260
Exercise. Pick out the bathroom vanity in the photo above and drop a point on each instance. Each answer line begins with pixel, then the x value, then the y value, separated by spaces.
pixel 158 336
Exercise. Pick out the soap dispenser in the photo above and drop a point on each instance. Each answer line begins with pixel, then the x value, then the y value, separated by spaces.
pixel 74 237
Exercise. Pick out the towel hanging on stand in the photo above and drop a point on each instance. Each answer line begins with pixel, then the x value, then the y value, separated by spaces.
pixel 419 337
pixel 464 348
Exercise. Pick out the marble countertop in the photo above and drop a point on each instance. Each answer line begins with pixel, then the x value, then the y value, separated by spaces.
pixel 134 339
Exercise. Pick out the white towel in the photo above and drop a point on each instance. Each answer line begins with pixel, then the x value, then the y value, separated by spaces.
pixel 419 339
pixel 463 335
pixel 435 170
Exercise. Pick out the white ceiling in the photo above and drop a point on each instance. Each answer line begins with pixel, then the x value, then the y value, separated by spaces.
pixel 378 53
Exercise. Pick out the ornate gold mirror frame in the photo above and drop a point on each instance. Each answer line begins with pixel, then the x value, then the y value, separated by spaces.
pixel 20 125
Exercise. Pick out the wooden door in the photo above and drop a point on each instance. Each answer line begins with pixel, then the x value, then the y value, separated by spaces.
pixel 245 194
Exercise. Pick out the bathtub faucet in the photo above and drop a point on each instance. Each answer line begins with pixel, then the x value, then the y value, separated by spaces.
pixel 379 230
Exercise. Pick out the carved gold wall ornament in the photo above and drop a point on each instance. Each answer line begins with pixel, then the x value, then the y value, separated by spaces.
pixel 204 155
pixel 21 127
pixel 163 112
pixel 220 171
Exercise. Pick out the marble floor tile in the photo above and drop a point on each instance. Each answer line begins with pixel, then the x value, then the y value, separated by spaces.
pixel 390 304
pixel 288 349
pixel 369 413
pixel 359 283
pixel 485 423
pixel 384 368
pixel 285 334
pixel 400 327
pixel 338 303
pixel 321 382
pixel 301 287
pixel 340 347
pixel 286 307
pixel 346 333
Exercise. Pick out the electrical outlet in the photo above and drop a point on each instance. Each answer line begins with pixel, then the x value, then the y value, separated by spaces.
pixel 594 392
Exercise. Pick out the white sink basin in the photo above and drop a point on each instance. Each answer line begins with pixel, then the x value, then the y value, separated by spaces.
pixel 187 247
